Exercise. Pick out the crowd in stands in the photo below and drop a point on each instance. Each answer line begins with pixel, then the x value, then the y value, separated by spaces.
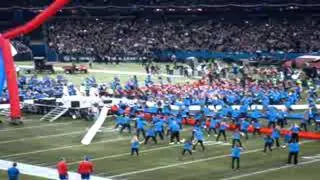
pixel 30 3
pixel 141 36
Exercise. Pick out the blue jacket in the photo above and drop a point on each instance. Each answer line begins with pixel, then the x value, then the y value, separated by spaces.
pixel 135 144
pixel 294 147
pixel 257 125
pixel 245 125
pixel 158 126
pixel 199 135
pixel 275 134
pixel 126 120
pixel 174 127
pixel 150 132
pixel 187 145
pixel 295 129
pixel 235 152
pixel 268 140
pixel 214 123
pixel 13 173
pixel 140 123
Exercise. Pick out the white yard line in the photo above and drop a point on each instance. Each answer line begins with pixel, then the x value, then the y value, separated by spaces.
pixel 48 173
pixel 184 163
pixel 41 137
pixel 38 126
pixel 270 170
pixel 62 147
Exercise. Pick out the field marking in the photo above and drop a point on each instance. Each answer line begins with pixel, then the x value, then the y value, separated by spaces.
pixel 270 170
pixel 47 173
pixel 41 137
pixel 147 150
pixel 62 147
pixel 187 162
pixel 39 126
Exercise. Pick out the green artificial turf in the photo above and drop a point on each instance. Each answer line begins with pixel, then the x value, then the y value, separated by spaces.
pixel 46 144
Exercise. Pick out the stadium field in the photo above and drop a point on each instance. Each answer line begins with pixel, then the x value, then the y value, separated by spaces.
pixel 105 73
pixel 43 143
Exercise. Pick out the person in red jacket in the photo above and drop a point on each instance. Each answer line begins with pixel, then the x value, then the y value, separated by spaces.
pixel 85 169
pixel 62 168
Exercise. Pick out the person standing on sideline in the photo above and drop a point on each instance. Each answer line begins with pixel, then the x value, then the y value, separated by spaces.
pixel 235 155
pixel 13 172
pixel 294 149
pixel 85 169
pixel 62 168
pixel 135 145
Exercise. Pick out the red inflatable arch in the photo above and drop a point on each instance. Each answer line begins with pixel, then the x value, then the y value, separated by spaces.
pixel 7 56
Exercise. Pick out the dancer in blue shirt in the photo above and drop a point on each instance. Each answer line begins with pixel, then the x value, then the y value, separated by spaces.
pixel 235 155
pixel 268 143
pixel 213 125
pixel 151 134
pixel 256 127
pixel 141 123
pixel 199 138
pixel 276 135
pixel 236 138
pixel 187 147
pixel 175 132
pixel 135 146
pixel 294 149
pixel 125 124
pixel 222 131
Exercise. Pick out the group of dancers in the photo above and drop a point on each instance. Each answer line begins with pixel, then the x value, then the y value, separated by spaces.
pixel 158 126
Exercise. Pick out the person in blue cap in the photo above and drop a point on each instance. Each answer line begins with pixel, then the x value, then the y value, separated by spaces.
pixel 294 149
pixel 13 172
pixel 235 155
pixel 268 143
